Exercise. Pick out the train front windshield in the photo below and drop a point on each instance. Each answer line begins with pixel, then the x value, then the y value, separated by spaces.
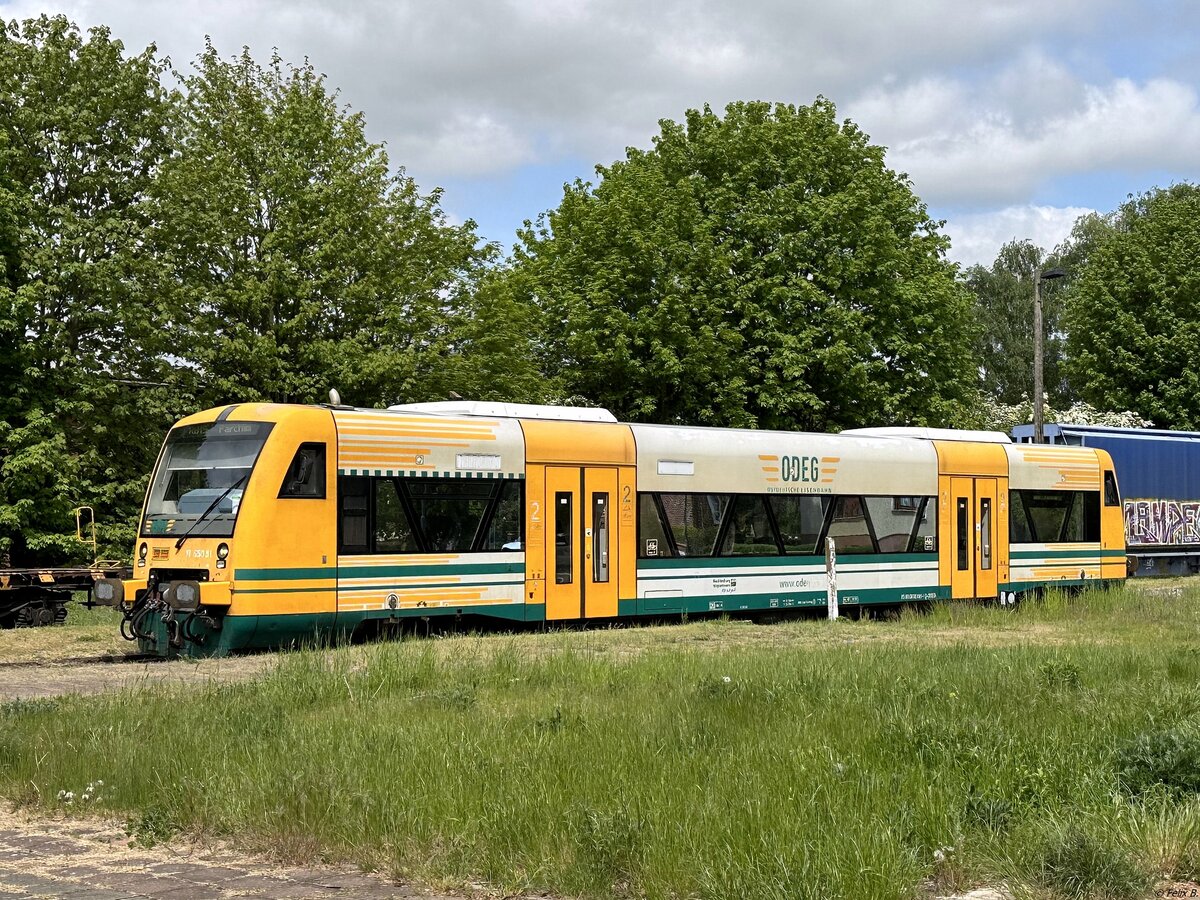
pixel 200 477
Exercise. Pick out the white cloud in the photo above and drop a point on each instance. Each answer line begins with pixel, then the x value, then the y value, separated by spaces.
pixel 978 237
pixel 963 94
pixel 985 145
pixel 593 75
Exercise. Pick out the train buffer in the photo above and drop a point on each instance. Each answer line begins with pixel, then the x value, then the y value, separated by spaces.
pixel 31 597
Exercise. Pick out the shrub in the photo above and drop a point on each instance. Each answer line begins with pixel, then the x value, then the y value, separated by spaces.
pixel 1167 759
pixel 1078 864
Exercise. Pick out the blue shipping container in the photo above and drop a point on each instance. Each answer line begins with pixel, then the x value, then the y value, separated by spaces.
pixel 1159 476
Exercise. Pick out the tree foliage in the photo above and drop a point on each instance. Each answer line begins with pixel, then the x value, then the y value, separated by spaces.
pixel 1134 314
pixel 295 258
pixel 761 268
pixel 83 127
pixel 1004 311
pixel 990 414
pixel 163 251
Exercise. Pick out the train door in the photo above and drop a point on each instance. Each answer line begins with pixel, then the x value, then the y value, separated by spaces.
pixel 975 533
pixel 581 542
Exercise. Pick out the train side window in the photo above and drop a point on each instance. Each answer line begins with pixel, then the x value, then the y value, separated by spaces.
pixel 801 518
pixel 695 521
pixel 1020 531
pixel 1048 514
pixel 925 531
pixel 653 541
pixel 849 528
pixel 305 476
pixel 1083 522
pixel 1111 496
pixel 393 533
pixel 449 512
pixel 892 520
pixel 504 529
pixel 354 505
pixel 750 532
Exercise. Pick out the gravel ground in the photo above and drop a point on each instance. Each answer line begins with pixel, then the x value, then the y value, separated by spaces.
pixel 92 860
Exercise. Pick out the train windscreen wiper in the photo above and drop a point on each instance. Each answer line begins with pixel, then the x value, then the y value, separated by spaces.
pixel 204 515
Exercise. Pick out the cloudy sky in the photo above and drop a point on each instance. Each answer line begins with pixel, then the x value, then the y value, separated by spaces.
pixel 1012 117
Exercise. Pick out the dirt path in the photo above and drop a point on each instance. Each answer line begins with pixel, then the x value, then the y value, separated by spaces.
pixel 90 860
pixel 91 675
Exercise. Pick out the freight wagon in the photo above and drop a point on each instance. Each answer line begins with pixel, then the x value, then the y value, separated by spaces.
pixel 1160 480
pixel 264 524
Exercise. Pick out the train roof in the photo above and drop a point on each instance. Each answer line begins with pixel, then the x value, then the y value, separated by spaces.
pixel 496 410
pixel 1025 432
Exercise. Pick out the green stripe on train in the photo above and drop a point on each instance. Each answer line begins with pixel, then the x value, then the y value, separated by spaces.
pixel 723 562
pixel 303 574
pixel 387 586
pixel 1067 554
pixel 777 601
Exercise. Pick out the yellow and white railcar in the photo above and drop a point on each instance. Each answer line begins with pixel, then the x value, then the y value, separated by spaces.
pixel 265 524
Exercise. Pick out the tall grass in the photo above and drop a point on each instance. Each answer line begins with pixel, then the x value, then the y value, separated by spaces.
pixel 827 769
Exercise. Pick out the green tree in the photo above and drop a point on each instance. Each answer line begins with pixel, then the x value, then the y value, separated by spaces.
pixel 762 268
pixel 1133 316
pixel 82 129
pixel 1004 311
pixel 294 258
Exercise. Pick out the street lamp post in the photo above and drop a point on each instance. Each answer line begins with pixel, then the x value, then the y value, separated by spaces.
pixel 1039 401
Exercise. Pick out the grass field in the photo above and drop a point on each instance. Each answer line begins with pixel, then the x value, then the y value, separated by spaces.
pixel 1054 749
pixel 86 633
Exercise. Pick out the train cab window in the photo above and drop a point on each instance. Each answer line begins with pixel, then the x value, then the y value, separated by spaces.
pixel 1111 497
pixel 305 477
pixel 849 528
pixel 801 518
pixel 653 541
pixel 393 533
pixel 750 532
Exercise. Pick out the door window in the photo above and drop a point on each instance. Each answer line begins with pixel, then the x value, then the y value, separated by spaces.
pixel 964 534
pixel 985 526
pixel 600 537
pixel 563 538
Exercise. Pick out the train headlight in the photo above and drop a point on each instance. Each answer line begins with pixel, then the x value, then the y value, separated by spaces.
pixel 142 551
pixel 222 550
